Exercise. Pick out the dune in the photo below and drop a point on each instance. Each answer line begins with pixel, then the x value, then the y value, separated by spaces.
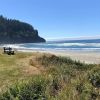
pixel 89 57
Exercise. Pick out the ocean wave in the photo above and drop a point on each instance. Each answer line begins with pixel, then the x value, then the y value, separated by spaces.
pixel 16 46
pixel 59 49
pixel 75 44
pixel 54 46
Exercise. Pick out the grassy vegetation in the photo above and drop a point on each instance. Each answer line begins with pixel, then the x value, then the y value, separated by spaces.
pixel 11 68
pixel 61 79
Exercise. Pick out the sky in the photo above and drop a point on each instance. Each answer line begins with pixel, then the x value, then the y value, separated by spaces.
pixel 56 18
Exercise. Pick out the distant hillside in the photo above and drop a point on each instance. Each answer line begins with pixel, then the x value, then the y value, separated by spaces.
pixel 14 31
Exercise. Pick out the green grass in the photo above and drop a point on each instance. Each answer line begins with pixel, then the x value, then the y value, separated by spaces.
pixel 10 69
pixel 61 79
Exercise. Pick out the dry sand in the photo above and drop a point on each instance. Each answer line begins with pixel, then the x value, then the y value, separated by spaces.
pixel 89 57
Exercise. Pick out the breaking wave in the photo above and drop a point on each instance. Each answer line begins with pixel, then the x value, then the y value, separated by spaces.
pixel 54 46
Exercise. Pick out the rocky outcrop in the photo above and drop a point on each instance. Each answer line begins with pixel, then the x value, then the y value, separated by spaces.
pixel 14 31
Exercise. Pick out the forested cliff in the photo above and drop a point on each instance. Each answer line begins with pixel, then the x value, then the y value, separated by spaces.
pixel 15 31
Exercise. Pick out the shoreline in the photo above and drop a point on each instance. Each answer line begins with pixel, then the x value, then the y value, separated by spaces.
pixel 89 57
pixel 85 56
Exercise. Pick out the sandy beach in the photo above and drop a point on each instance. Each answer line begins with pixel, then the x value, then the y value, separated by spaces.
pixel 88 54
pixel 90 57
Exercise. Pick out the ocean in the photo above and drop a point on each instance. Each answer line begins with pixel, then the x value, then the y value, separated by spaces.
pixel 56 46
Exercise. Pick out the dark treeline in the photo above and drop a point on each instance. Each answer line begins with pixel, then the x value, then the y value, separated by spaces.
pixel 14 31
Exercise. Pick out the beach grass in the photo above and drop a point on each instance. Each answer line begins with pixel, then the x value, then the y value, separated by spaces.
pixel 11 68
pixel 59 78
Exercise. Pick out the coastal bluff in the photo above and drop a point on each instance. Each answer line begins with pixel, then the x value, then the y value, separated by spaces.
pixel 15 31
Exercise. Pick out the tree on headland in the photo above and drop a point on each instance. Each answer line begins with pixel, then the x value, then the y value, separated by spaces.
pixel 15 31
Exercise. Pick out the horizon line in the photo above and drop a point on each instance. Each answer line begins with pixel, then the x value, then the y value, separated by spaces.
pixel 73 38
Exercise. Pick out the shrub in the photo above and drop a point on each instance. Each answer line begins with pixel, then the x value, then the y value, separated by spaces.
pixel 31 90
